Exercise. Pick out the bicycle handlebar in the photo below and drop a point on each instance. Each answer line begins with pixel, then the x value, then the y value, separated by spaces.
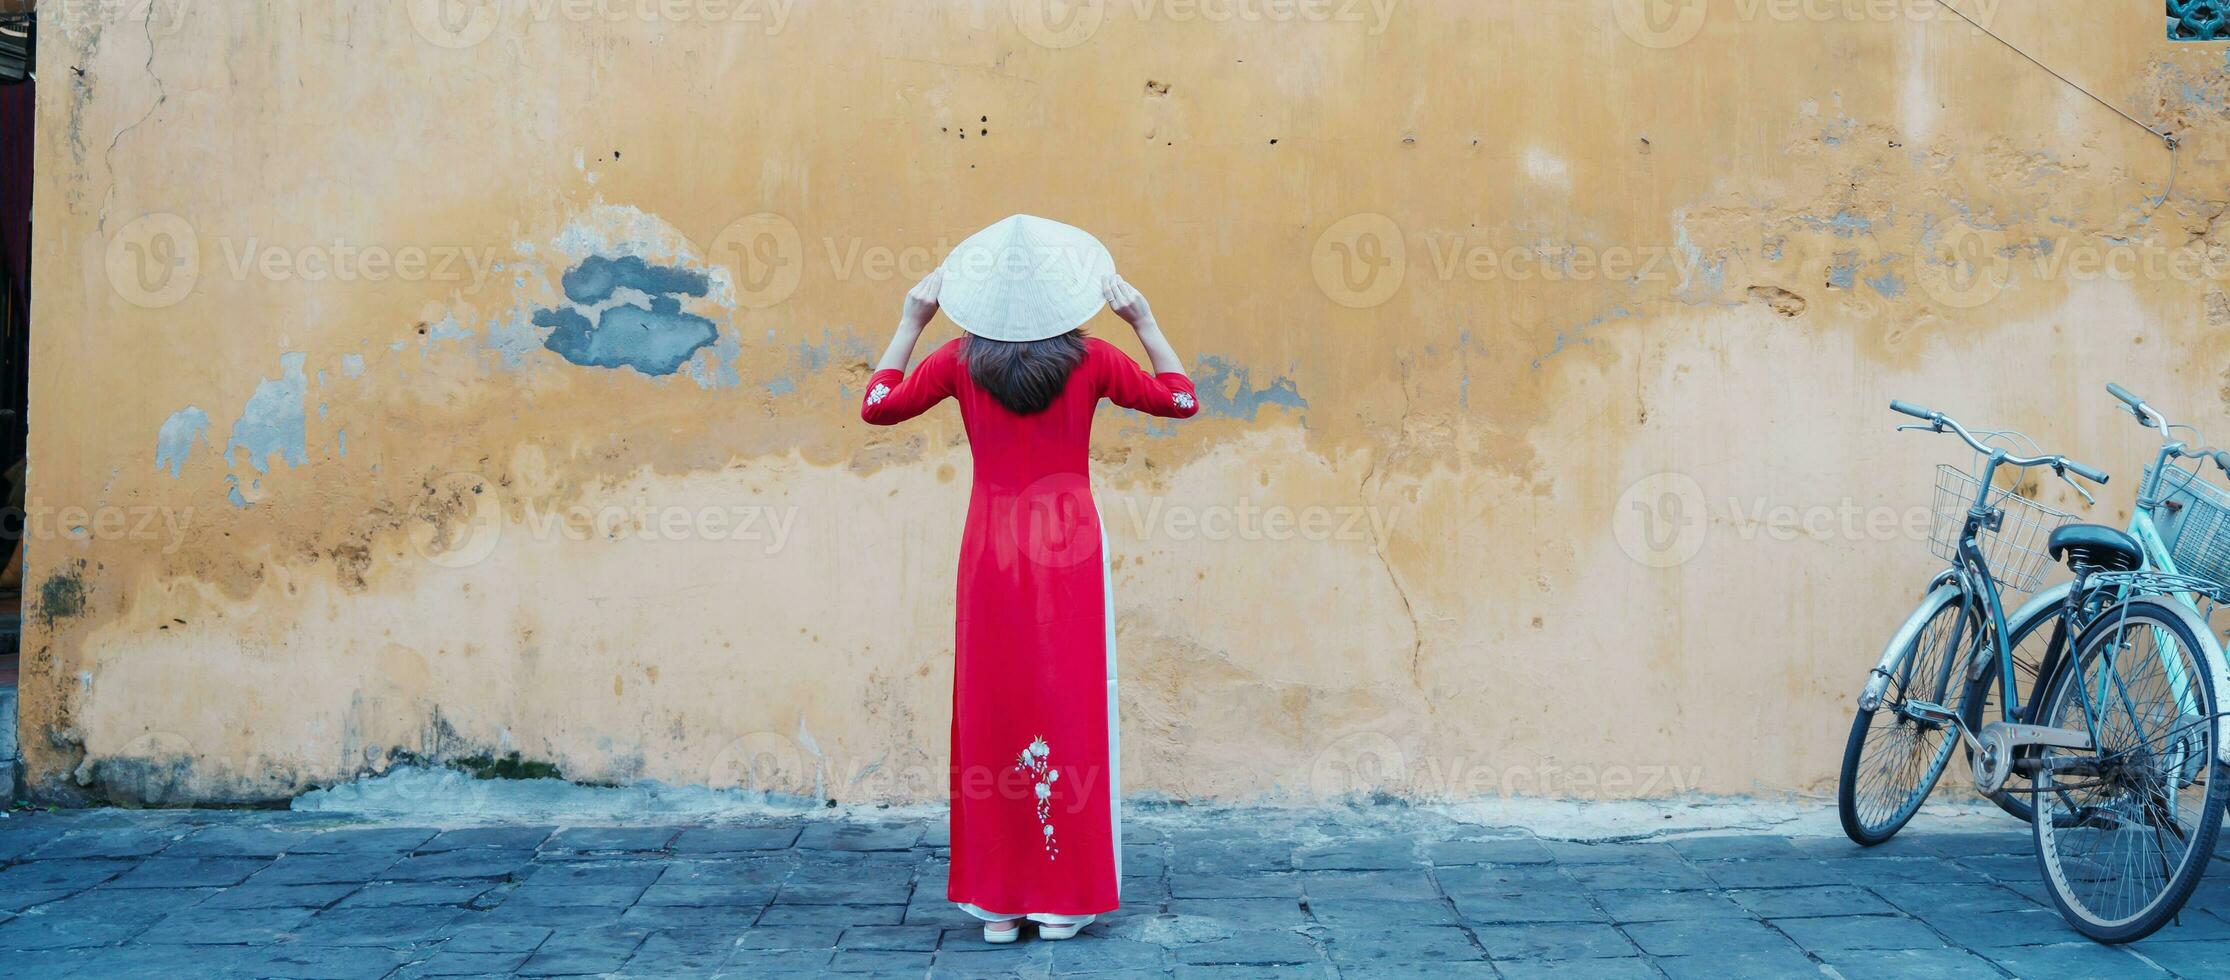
pixel 2090 473
pixel 2147 416
pixel 2135 403
pixel 1940 422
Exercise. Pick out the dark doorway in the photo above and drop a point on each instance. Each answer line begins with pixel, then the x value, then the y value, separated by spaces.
pixel 18 110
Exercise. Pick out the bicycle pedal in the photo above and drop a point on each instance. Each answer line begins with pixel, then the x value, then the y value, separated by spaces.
pixel 1929 711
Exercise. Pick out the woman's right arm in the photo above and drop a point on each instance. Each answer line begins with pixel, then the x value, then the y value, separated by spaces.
pixel 1130 304
pixel 1168 392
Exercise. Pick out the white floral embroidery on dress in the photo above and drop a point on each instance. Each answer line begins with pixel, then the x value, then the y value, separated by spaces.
pixel 1034 762
pixel 878 394
pixel 1183 400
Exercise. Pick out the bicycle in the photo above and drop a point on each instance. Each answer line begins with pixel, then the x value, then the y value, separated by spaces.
pixel 2132 822
pixel 2186 502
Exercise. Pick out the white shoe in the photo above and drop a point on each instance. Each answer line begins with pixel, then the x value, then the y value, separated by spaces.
pixel 993 934
pixel 1049 930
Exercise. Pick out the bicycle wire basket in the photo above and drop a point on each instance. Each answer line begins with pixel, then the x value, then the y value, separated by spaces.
pixel 2193 517
pixel 2015 548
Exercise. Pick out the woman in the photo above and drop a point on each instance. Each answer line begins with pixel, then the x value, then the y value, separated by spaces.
pixel 1035 825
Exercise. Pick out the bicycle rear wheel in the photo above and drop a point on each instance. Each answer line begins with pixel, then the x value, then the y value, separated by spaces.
pixel 2124 831
pixel 1894 756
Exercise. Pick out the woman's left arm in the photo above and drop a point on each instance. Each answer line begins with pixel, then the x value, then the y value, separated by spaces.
pixel 893 397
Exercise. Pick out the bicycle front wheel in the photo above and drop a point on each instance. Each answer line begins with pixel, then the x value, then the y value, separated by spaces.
pixel 2124 829
pixel 1898 750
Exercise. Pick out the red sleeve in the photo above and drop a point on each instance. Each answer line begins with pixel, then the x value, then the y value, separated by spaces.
pixel 893 396
pixel 1123 382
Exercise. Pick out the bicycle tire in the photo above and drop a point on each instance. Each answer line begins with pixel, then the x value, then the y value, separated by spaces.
pixel 2192 742
pixel 1907 788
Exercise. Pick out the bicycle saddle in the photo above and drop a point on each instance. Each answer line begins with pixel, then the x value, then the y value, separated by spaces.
pixel 2102 548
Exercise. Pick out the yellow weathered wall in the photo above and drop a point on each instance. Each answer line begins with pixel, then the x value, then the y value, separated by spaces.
pixel 1613 517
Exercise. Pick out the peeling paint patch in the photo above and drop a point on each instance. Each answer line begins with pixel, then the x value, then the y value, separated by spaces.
pixel 1843 224
pixel 352 365
pixel 273 421
pixel 810 358
pixel 1579 334
pixel 1226 390
pixel 1844 273
pixel 654 340
pixel 447 328
pixel 598 277
pixel 176 439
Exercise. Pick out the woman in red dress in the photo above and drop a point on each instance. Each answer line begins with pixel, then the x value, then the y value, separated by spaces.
pixel 1034 777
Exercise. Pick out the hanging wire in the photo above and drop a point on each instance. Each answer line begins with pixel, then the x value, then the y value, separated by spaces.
pixel 2166 138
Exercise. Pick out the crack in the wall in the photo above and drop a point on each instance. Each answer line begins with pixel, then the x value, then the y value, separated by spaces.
pixel 162 95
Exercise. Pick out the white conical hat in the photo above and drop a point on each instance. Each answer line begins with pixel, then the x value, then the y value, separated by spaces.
pixel 1025 278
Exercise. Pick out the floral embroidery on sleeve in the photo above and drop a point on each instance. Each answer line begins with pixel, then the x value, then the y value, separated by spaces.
pixel 876 396
pixel 1034 762
pixel 1182 399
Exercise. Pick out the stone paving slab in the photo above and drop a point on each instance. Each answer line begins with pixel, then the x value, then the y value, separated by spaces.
pixel 1388 892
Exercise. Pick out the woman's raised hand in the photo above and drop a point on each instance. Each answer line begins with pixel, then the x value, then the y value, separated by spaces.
pixel 1126 301
pixel 921 301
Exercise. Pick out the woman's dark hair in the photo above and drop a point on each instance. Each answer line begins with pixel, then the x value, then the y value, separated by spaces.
pixel 1027 375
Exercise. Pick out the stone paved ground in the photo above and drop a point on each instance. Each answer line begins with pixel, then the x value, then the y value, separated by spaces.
pixel 182 894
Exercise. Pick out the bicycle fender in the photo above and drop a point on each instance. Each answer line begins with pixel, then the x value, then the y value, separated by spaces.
pixel 1943 578
pixel 1878 680
pixel 2042 602
pixel 2210 650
